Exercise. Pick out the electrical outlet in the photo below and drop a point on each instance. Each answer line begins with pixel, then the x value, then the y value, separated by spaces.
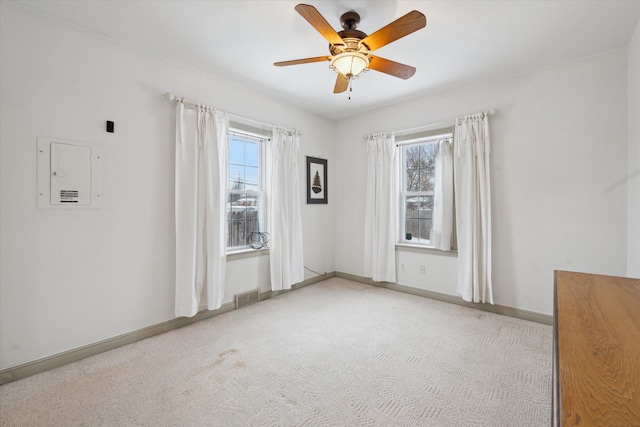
pixel 422 269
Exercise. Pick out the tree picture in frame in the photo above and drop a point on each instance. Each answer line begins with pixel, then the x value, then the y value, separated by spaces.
pixel 316 181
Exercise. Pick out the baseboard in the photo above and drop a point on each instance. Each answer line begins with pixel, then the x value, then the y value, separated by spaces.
pixel 322 277
pixel 55 361
pixel 60 359
pixel 22 371
pixel 454 299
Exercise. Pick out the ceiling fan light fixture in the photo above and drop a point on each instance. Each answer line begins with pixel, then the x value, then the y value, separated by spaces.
pixel 349 64
pixel 350 48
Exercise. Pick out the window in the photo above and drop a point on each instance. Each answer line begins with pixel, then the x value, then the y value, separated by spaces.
pixel 418 167
pixel 245 187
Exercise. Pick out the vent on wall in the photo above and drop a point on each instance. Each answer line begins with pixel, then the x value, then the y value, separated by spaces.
pixel 247 298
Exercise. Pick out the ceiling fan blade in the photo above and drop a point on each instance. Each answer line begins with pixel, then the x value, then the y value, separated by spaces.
pixel 392 68
pixel 342 83
pixel 403 26
pixel 302 61
pixel 318 22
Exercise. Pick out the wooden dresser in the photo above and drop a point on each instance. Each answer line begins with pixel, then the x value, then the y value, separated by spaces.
pixel 596 350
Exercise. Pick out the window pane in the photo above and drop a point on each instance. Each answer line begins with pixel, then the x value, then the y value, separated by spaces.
pixel 243 218
pixel 237 212
pixel 425 229
pixel 412 167
pixel 237 233
pixel 237 207
pixel 236 177
pixel 251 178
pixel 426 206
pixel 412 179
pixel 427 166
pixel 252 224
pixel 243 210
pixel 251 154
pixel 411 207
pixel 233 197
pixel 412 156
pixel 427 179
pixel 411 229
pixel 418 218
pixel 419 162
pixel 236 151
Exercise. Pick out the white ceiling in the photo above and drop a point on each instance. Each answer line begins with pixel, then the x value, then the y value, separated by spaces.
pixel 465 43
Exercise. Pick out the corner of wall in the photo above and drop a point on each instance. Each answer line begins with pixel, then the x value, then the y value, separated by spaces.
pixel 633 135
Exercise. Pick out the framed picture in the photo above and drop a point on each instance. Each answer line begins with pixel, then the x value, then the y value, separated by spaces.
pixel 316 181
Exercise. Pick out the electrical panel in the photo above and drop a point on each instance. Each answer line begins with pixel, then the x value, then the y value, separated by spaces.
pixel 68 174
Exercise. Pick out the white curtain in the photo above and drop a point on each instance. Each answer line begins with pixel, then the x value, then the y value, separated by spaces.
pixel 380 217
pixel 200 210
pixel 443 198
pixel 473 207
pixel 283 211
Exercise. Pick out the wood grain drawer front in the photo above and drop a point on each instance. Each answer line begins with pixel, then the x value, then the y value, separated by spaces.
pixel 597 350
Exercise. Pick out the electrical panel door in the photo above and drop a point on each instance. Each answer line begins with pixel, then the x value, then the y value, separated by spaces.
pixel 68 174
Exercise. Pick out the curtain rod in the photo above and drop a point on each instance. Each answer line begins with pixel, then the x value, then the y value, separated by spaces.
pixel 452 123
pixel 249 135
pixel 171 97
pixel 490 112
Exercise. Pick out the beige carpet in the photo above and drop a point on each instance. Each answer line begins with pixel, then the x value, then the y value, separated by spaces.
pixel 334 353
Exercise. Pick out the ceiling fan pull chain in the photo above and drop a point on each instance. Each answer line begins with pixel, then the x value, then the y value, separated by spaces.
pixel 350 88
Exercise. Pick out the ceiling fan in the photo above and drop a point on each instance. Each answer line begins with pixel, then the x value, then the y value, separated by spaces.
pixel 351 48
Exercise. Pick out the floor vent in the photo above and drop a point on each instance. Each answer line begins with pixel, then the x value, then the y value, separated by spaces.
pixel 247 298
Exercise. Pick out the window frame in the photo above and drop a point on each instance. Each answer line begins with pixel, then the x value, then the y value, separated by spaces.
pixel 260 138
pixel 403 193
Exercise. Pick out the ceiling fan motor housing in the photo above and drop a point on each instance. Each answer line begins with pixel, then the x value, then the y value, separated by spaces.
pixel 350 34
pixel 350 20
pixel 350 48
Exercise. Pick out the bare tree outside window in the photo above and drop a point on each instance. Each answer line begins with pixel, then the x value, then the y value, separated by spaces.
pixel 244 191
pixel 419 182
pixel 420 167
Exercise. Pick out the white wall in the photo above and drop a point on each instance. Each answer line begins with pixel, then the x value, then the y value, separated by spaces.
pixel 559 145
pixel 633 182
pixel 71 278
pixel 68 279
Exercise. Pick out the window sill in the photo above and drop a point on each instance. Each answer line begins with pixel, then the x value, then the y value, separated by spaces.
pixel 404 247
pixel 246 253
